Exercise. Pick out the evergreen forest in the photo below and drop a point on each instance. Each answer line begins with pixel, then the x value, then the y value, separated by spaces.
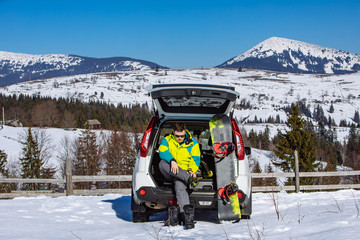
pixel 35 111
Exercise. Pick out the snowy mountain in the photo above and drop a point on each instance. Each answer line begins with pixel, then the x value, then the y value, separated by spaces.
pixel 18 67
pixel 286 55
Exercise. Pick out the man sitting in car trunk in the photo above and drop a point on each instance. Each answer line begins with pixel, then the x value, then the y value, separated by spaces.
pixel 180 160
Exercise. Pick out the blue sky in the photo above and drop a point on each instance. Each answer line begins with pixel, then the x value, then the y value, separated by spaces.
pixel 173 33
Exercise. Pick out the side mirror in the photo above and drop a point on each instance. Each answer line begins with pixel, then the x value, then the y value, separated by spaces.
pixel 247 150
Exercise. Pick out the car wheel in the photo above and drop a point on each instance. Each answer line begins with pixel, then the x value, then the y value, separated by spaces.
pixel 139 217
pixel 140 213
pixel 246 212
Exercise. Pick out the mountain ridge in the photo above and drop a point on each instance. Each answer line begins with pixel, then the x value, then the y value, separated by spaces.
pixel 287 55
pixel 274 54
pixel 21 67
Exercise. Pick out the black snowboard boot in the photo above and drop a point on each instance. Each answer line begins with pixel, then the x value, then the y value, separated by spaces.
pixel 189 213
pixel 173 216
pixel 192 182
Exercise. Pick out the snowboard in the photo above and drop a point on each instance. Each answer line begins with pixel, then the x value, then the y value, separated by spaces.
pixel 223 150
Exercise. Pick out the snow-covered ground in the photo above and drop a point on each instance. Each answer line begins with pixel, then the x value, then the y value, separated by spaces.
pixel 318 215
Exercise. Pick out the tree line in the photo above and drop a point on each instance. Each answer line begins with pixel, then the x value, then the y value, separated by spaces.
pixel 318 115
pixel 36 111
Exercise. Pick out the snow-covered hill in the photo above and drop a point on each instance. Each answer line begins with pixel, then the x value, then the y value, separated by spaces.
pixel 316 215
pixel 18 67
pixel 286 55
pixel 266 92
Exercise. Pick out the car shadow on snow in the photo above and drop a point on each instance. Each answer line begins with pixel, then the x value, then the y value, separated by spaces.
pixel 122 208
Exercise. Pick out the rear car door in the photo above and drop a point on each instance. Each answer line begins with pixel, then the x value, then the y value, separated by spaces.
pixel 201 100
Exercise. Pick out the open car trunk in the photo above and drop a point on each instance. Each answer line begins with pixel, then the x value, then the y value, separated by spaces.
pixel 199 131
pixel 179 100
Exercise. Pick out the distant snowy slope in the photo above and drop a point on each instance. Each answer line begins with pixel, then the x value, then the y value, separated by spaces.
pixel 267 92
pixel 286 55
pixel 18 67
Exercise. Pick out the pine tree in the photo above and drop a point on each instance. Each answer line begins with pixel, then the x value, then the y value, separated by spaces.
pixel 319 114
pixel 265 139
pixel 343 123
pixel 87 156
pixel 331 162
pixel 296 138
pixel 257 169
pixel 270 181
pixel 3 161
pixel 356 117
pixel 353 143
pixel 31 163
pixel 253 138
pixel 353 149
pixel 4 187
pixel 119 155
pixel 277 120
pixel 112 156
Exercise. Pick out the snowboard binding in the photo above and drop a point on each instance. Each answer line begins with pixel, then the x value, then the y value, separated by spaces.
pixel 226 192
pixel 223 149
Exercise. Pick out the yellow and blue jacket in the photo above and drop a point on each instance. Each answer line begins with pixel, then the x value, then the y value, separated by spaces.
pixel 187 154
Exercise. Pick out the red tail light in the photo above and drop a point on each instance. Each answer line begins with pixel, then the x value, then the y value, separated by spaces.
pixel 173 202
pixel 240 150
pixel 144 148
pixel 142 192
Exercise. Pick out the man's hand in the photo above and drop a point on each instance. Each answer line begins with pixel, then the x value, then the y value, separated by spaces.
pixel 174 168
pixel 191 173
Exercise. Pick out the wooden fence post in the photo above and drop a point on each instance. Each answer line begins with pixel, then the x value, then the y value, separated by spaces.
pixel 297 179
pixel 69 184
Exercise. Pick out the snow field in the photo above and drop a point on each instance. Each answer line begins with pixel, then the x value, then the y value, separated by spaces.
pixel 317 215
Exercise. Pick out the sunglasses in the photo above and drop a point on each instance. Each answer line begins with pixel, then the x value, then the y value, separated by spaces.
pixel 179 136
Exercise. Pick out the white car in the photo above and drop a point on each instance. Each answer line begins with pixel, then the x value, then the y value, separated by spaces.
pixel 193 104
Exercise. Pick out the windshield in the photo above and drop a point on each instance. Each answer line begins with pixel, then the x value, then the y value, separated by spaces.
pixel 193 104
pixel 193 101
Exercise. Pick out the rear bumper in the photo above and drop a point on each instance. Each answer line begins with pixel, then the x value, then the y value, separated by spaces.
pixel 155 197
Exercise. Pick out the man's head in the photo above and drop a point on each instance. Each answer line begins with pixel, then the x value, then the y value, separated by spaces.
pixel 179 132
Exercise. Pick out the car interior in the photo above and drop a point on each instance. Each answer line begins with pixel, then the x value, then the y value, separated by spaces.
pixel 199 131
